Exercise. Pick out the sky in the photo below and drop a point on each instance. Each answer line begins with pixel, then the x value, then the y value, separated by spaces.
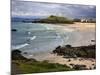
pixel 40 9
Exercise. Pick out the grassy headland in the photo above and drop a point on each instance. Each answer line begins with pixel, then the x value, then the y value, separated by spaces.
pixel 59 20
pixel 54 19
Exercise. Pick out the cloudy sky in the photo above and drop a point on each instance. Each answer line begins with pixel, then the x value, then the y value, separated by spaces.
pixel 31 9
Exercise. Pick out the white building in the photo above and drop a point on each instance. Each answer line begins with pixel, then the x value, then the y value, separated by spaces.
pixel 84 20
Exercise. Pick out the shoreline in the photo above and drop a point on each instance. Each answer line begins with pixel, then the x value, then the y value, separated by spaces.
pixel 89 62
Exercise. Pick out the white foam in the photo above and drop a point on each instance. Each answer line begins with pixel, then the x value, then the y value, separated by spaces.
pixel 69 30
pixel 48 27
pixel 23 45
pixel 32 38
pixel 19 46
pixel 30 55
pixel 29 33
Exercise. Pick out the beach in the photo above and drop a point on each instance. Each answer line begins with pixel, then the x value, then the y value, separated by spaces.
pixel 52 35
pixel 80 27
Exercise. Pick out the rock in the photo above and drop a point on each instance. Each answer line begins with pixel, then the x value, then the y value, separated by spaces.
pixel 79 67
pixel 16 55
pixel 92 40
pixel 25 53
pixel 13 29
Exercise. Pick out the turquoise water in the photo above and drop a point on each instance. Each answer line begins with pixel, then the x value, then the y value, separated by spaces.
pixel 35 37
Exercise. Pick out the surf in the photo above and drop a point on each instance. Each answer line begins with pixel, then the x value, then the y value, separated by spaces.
pixel 25 44
pixel 32 38
pixel 19 46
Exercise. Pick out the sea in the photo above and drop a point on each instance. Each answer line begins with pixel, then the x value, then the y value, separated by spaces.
pixel 39 38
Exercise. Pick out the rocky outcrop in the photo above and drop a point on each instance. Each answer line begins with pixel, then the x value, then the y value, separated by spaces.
pixel 82 51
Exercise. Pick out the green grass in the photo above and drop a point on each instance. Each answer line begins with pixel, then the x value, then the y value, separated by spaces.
pixel 40 67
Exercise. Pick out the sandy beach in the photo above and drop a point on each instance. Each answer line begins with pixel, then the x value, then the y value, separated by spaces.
pixel 80 26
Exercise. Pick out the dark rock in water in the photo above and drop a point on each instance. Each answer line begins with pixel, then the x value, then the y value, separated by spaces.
pixel 68 46
pixel 58 47
pixel 92 40
pixel 13 29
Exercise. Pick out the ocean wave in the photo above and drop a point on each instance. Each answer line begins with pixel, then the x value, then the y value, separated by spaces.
pixel 48 27
pixel 32 38
pixel 19 46
pixel 68 29
pixel 25 44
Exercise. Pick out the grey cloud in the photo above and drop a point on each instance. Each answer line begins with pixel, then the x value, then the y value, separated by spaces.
pixel 27 8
